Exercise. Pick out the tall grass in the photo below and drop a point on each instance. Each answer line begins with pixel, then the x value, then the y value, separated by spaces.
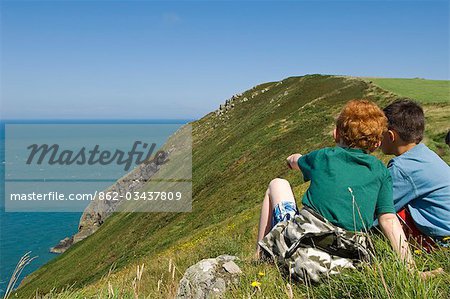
pixel 25 260
pixel 264 279
pixel 394 280
pixel 113 289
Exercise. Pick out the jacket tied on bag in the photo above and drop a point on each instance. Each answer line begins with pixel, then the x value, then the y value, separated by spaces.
pixel 310 247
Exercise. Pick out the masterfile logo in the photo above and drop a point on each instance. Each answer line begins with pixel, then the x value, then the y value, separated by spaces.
pixel 53 154
pixel 61 167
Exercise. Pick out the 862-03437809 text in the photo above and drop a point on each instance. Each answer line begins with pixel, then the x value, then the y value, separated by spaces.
pixel 135 196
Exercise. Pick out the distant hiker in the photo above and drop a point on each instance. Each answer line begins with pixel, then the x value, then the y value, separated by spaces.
pixel 421 179
pixel 348 188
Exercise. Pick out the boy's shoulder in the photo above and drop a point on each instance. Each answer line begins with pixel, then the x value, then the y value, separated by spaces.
pixel 420 154
pixel 419 161
pixel 356 156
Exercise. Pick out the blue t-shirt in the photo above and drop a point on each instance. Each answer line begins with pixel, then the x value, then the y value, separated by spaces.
pixel 421 182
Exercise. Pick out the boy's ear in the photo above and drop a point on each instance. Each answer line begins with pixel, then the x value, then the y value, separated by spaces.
pixel 336 136
pixel 392 135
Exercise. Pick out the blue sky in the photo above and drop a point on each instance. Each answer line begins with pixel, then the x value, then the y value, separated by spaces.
pixel 148 59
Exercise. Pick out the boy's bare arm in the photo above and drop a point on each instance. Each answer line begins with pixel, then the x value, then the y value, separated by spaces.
pixel 392 229
pixel 292 161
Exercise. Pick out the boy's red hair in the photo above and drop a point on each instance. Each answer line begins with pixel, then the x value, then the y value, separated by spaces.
pixel 361 124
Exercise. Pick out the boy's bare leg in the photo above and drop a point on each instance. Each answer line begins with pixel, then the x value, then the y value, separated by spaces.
pixel 264 220
pixel 278 190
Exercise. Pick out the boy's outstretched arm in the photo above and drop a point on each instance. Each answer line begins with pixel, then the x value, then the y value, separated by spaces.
pixel 392 229
pixel 292 161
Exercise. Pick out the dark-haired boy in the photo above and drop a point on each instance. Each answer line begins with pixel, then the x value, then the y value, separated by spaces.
pixel 421 179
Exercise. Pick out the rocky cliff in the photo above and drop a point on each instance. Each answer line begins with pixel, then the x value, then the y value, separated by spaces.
pixel 98 210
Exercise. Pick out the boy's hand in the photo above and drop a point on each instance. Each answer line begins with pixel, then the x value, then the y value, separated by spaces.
pixel 431 274
pixel 292 161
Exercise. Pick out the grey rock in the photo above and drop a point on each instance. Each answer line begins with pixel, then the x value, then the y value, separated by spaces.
pixel 236 96
pixel 62 245
pixel 232 268
pixel 209 278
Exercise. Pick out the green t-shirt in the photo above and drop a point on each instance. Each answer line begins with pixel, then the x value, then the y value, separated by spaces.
pixel 332 172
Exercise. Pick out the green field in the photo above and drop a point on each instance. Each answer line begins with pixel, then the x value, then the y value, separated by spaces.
pixel 234 158
pixel 425 91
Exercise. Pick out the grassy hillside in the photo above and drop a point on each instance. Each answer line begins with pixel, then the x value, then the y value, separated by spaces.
pixel 234 158
pixel 425 91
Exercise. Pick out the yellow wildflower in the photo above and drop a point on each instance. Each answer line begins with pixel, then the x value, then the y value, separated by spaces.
pixel 446 239
pixel 256 284
pixel 418 251
pixel 260 273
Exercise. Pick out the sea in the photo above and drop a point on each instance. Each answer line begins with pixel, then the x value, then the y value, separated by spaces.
pixel 36 232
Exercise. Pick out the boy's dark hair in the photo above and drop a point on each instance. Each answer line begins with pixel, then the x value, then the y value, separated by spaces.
pixel 407 119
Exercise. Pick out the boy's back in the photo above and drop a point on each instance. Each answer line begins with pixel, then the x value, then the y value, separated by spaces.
pixel 332 172
pixel 421 181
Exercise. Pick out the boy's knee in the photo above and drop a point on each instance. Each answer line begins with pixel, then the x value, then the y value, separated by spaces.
pixel 278 181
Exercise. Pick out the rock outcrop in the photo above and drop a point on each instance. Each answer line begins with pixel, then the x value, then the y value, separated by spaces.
pixel 229 104
pixel 209 278
pixel 62 245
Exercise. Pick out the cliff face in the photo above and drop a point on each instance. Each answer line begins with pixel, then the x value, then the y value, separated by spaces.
pixel 98 210
pixel 236 151
pixel 173 162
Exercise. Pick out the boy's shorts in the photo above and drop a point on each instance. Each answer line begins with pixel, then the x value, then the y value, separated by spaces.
pixel 284 211
pixel 425 242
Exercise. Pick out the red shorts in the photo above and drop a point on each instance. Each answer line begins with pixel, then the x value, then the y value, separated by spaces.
pixel 413 233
